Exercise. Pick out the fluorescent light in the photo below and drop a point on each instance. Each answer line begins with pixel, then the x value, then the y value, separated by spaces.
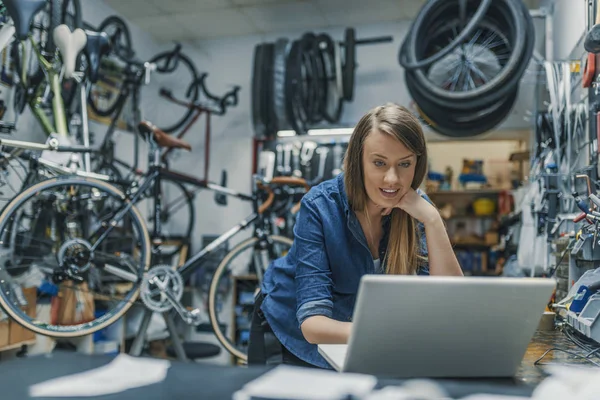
pixel 286 133
pixel 325 132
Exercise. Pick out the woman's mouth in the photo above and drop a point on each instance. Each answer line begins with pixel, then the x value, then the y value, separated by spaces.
pixel 388 193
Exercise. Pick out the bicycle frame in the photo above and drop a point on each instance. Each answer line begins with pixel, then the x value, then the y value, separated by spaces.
pixel 36 102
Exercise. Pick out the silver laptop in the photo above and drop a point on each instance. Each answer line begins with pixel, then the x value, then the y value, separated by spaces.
pixel 415 326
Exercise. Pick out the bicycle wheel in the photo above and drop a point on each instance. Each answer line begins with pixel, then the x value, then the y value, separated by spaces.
pixel 176 74
pixel 238 266
pixel 177 216
pixel 72 245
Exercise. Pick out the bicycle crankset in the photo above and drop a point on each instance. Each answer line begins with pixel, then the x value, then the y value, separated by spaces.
pixel 162 289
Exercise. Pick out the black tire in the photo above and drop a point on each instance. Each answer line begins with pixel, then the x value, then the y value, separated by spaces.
pixel 282 48
pixel 464 102
pixel 258 93
pixel 120 38
pixel 223 272
pixel 178 215
pixel 118 95
pixel 349 68
pixel 101 193
pixel 181 74
pixel 332 109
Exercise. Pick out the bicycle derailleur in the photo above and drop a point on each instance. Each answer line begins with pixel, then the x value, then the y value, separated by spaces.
pixel 162 289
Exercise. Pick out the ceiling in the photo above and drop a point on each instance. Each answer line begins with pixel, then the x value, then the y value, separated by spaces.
pixel 194 20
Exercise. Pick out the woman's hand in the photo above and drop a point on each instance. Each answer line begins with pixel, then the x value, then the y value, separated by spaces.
pixel 417 207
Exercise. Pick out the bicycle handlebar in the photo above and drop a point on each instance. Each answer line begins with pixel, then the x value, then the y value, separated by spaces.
pixel 279 180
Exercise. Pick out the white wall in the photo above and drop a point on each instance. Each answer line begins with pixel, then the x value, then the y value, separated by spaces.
pixel 379 79
pixel 569 24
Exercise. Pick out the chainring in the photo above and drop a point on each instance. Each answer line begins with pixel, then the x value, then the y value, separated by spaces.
pixel 159 279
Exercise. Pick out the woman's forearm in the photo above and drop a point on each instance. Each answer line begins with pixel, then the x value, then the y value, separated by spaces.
pixel 442 260
pixel 320 329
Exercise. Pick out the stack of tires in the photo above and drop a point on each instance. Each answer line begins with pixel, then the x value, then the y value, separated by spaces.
pixel 464 60
pixel 301 83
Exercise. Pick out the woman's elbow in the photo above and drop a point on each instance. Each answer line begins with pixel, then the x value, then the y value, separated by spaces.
pixel 307 328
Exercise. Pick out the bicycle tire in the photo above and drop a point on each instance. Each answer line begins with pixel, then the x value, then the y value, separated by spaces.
pixel 192 91
pixel 120 45
pixel 258 119
pixel 86 328
pixel 214 284
pixel 500 84
pixel 332 109
pixel 349 69
pixel 188 199
pixel 282 48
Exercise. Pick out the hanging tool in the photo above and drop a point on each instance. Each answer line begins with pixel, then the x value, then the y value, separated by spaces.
pixel 322 152
pixel 287 153
pixel 280 168
pixel 296 147
pixel 337 159
pixel 306 155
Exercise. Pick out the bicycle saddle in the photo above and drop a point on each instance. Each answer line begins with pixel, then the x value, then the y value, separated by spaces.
pixel 22 12
pixel 162 139
pixel 70 44
pixel 98 44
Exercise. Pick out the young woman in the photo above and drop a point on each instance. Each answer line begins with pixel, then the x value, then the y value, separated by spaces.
pixel 372 218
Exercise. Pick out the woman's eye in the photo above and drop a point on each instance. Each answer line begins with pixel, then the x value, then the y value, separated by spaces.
pixel 379 163
pixel 405 165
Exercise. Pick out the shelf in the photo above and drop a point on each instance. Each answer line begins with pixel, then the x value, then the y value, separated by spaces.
pixel 464 192
pixel 493 216
pixel 18 345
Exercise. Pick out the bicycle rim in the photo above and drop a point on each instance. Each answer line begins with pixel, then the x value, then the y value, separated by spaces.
pixel 178 77
pixel 230 267
pixel 19 255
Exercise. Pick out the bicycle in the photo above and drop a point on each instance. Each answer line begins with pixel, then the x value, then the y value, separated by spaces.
pixel 87 237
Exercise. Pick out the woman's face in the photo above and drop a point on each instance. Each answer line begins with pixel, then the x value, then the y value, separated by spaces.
pixel 389 168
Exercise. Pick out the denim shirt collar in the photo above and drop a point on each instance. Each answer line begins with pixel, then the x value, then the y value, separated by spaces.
pixel 354 225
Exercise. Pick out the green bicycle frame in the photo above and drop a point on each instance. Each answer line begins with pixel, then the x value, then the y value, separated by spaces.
pixel 36 102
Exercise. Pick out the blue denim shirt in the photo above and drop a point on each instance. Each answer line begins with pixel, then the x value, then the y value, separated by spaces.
pixel 320 274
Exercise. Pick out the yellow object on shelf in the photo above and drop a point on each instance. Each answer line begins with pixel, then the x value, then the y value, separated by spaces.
pixel 484 206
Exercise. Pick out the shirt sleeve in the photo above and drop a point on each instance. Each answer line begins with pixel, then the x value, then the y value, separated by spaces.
pixel 423 268
pixel 313 273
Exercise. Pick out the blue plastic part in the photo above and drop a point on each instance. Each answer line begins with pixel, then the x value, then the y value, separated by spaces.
pixel 581 298
pixel 465 178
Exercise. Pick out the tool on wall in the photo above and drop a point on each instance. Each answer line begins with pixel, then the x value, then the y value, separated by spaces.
pixel 322 152
pixel 308 150
pixel 337 159
pixel 296 147
pixel 280 168
pixel 287 150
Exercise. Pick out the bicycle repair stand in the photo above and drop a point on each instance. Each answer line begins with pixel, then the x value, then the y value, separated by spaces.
pixel 138 343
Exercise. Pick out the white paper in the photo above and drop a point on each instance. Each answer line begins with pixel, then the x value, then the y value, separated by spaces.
pixel 569 382
pixel 291 383
pixel 334 354
pixel 485 396
pixel 124 372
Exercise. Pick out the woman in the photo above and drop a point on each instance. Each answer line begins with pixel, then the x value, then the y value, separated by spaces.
pixel 370 219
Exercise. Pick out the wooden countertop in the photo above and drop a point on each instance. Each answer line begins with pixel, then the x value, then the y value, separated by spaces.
pixel 541 342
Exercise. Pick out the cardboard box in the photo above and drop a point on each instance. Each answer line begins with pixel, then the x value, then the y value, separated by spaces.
pixel 18 334
pixel 4 333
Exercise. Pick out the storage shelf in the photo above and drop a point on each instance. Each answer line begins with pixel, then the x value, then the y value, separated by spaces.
pixel 465 192
pixel 17 345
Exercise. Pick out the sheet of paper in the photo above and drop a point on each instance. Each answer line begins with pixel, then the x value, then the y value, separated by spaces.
pixel 124 372
pixel 335 354
pixel 291 383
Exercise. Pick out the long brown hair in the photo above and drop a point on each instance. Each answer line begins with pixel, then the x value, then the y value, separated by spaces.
pixel 402 256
